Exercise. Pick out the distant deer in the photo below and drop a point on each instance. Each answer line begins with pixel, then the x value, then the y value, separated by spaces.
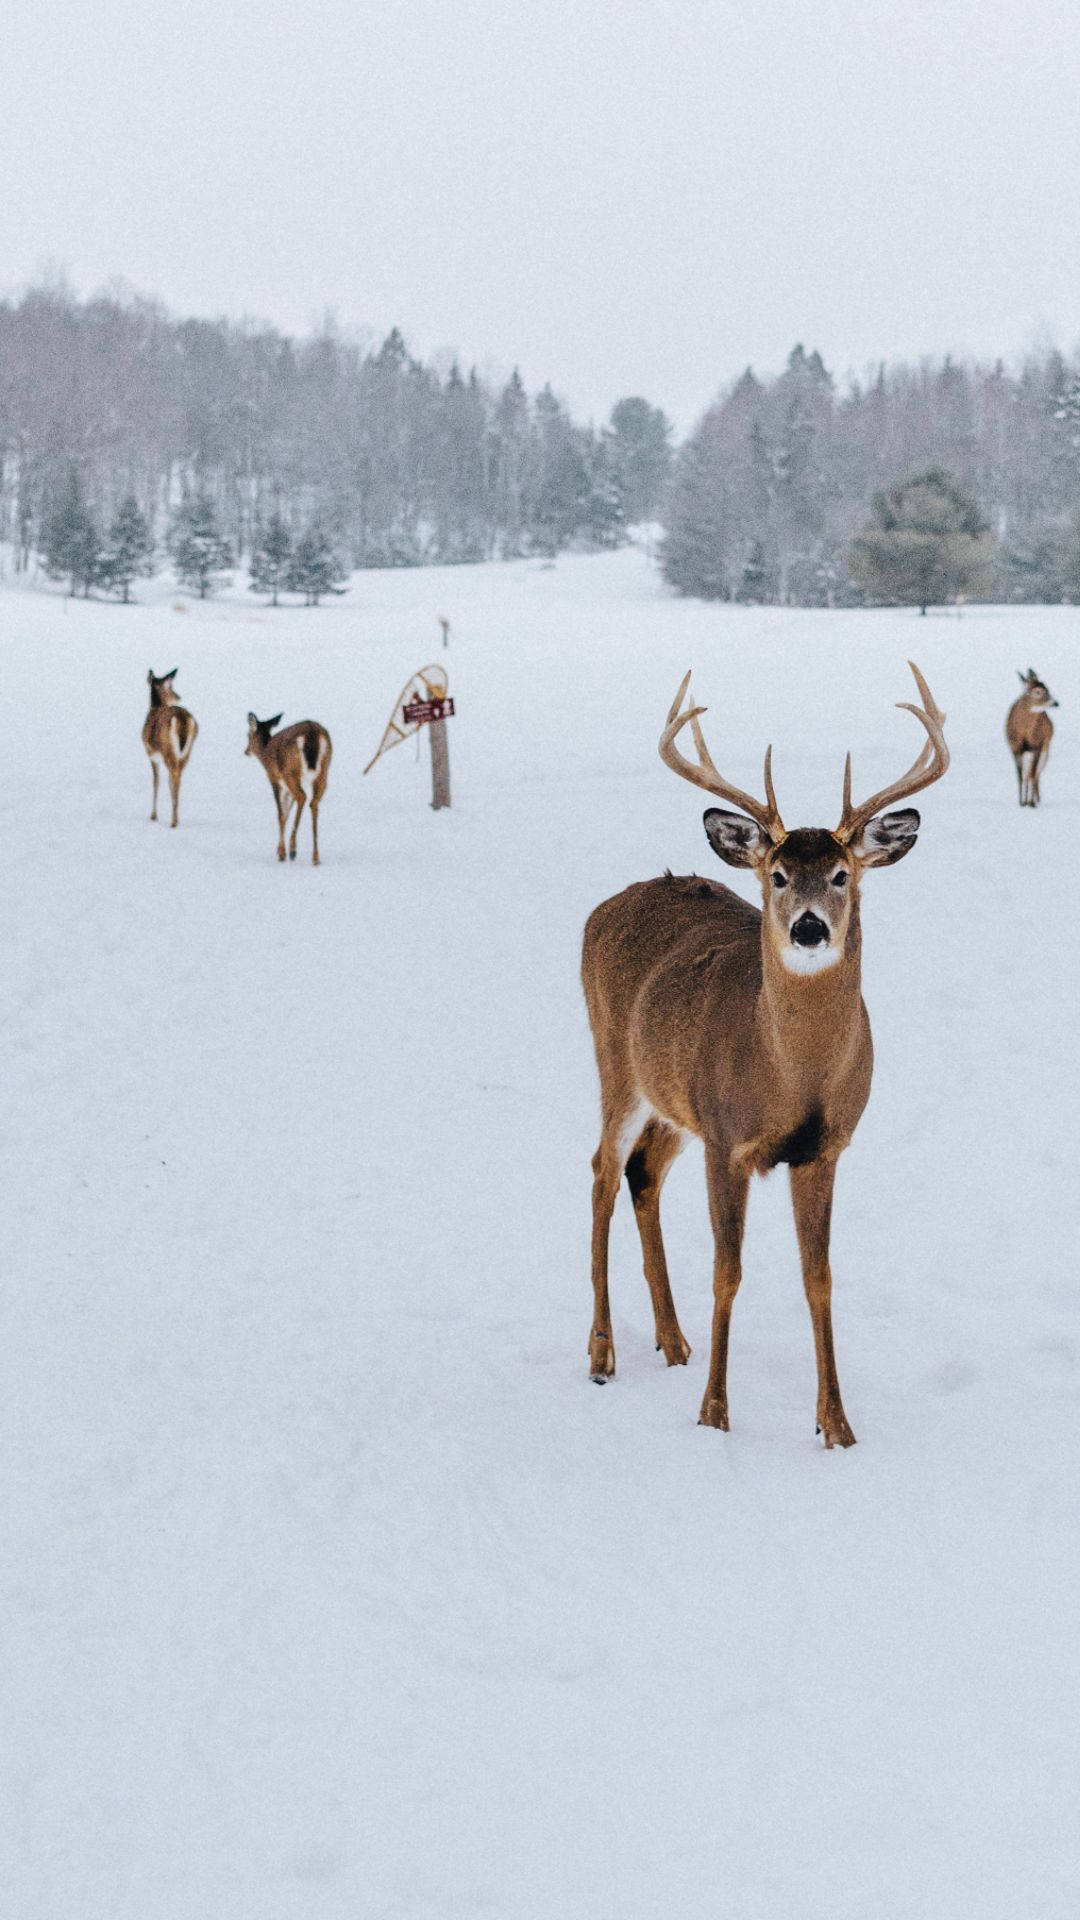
pixel 746 1028
pixel 169 733
pixel 297 762
pixel 1029 731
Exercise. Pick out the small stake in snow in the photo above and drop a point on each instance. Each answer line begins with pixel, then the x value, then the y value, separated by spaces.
pixel 423 701
pixel 445 625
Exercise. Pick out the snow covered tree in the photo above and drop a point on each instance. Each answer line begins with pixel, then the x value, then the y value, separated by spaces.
pixel 753 586
pixel 271 558
pixel 639 438
pixel 563 483
pixel 699 542
pixel 72 539
pixel 927 542
pixel 314 569
pixel 128 552
pixel 199 551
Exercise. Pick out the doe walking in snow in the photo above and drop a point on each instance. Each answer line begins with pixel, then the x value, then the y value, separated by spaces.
pixel 169 733
pixel 297 761
pixel 1029 731
pixel 744 1027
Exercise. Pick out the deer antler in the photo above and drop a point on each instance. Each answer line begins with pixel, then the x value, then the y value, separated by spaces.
pixel 705 774
pixel 930 765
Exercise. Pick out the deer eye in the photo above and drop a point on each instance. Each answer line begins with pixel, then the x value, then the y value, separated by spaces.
pixel 840 879
pixel 779 879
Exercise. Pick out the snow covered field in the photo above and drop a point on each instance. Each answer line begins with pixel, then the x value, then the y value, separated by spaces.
pixel 332 1590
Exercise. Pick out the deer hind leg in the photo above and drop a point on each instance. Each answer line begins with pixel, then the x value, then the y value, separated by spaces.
pixel 154 771
pixel 646 1171
pixel 315 799
pixel 296 824
pixel 174 788
pixel 811 1197
pixel 283 798
pixel 622 1124
pixel 727 1210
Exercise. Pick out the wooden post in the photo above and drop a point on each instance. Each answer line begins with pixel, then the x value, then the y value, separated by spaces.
pixel 440 764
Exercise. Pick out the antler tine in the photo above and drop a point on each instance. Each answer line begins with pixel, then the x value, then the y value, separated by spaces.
pixel 706 774
pixel 931 763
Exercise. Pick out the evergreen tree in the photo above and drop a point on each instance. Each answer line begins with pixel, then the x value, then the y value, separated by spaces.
pixel 604 509
pixel 927 543
pixel 271 558
pixel 639 437
pixel 199 551
pixel 72 540
pixel 563 483
pixel 700 544
pixel 753 587
pixel 314 569
pixel 128 551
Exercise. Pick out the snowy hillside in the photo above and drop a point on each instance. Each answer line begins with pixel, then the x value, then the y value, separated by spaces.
pixel 332 1588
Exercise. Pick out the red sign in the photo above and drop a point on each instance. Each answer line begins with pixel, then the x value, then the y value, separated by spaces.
pixel 422 710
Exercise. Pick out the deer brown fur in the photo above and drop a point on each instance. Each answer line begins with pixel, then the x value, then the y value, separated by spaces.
pixel 169 733
pixel 745 1027
pixel 1029 731
pixel 297 761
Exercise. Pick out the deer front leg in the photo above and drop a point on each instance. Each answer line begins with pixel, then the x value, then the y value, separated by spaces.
pixel 607 1173
pixel 727 1209
pixel 154 771
pixel 811 1197
pixel 296 826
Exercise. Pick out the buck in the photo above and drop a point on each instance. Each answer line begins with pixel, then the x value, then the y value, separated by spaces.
pixel 1029 731
pixel 169 733
pixel 297 761
pixel 744 1027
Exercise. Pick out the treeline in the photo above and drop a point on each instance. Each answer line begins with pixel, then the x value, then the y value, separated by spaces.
pixel 779 477
pixel 369 449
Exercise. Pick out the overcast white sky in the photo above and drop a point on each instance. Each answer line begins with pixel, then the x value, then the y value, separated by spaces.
pixel 620 195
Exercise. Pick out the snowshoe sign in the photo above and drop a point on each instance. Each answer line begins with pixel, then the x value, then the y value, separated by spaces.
pixel 424 700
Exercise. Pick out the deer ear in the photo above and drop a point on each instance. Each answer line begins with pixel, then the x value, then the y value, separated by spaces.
pixel 736 839
pixel 275 722
pixel 253 721
pixel 885 840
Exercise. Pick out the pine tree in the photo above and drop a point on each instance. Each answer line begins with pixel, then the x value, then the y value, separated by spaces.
pixel 314 569
pixel 927 543
pixel 72 540
pixel 271 558
pixel 199 551
pixel 755 577
pixel 639 437
pixel 699 544
pixel 604 511
pixel 128 551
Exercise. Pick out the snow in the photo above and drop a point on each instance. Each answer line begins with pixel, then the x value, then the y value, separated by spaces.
pixel 332 1587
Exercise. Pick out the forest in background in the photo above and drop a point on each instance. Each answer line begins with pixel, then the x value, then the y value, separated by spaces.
pixel 780 476
pixel 395 463
pixel 367 451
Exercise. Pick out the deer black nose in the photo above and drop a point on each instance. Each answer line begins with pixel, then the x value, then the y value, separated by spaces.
pixel 808 930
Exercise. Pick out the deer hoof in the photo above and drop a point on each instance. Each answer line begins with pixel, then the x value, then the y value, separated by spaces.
pixel 834 1430
pixel 601 1358
pixel 675 1349
pixel 714 1414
